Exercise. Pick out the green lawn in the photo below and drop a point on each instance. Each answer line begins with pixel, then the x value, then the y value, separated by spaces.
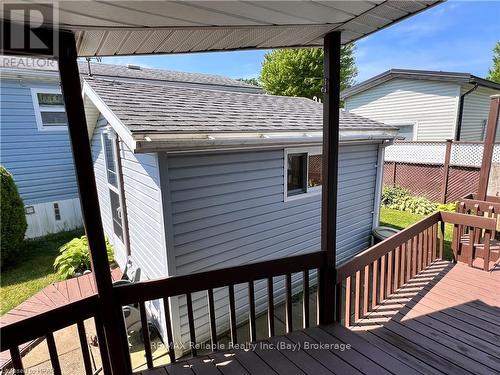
pixel 33 271
pixel 400 220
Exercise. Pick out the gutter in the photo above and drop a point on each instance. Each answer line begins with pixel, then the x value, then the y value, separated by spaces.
pixel 458 127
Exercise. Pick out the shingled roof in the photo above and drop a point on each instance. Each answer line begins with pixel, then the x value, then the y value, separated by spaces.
pixel 149 108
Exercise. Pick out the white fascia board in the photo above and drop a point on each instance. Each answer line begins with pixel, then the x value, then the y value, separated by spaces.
pixel 220 141
pixel 112 119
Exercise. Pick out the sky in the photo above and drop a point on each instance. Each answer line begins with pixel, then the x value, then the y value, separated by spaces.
pixel 456 36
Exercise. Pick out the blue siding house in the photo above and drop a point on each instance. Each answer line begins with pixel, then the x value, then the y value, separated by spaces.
pixel 199 172
pixel 34 145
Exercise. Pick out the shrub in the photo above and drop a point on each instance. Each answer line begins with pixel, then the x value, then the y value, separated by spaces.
pixel 13 220
pixel 450 207
pixel 75 257
pixel 392 195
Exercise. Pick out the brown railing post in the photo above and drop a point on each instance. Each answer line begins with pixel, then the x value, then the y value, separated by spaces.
pixel 489 143
pixel 112 316
pixel 446 169
pixel 331 105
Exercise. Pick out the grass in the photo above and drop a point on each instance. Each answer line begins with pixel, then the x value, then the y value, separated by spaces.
pixel 33 270
pixel 401 219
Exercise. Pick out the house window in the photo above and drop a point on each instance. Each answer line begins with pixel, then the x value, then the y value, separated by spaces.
pixel 110 159
pixel 406 131
pixel 49 109
pixel 302 172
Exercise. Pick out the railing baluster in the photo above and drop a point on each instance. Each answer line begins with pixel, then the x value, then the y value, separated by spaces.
pixel 403 264
pixel 192 333
pixel 390 259
pixel 441 239
pixel 17 362
pixel 270 306
pixel 288 303
pixel 396 267
pixel 419 252
pixel 211 316
pixel 366 290
pixel 375 274
pixel 54 358
pixel 103 347
pixel 347 311
pixel 251 313
pixel 85 347
pixel 414 256
pixel 357 296
pixel 145 334
pixel 232 314
pixel 382 278
pixel 425 248
pixel 305 299
pixel 168 326
pixel 409 259
pixel 338 304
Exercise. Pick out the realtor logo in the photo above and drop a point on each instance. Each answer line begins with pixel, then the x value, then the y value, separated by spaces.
pixel 29 28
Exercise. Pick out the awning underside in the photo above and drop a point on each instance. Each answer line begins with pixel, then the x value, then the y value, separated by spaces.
pixel 110 28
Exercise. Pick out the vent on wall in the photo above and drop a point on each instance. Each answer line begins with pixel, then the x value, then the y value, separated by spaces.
pixel 57 212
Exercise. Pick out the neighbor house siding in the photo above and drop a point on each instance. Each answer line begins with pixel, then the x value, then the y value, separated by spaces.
pixel 228 209
pixel 40 161
pixel 476 109
pixel 431 105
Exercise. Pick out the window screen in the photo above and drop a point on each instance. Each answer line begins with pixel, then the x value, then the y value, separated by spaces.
pixel 314 171
pixel 110 160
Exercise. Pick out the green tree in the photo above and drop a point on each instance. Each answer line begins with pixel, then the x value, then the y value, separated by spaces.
pixel 13 221
pixel 494 72
pixel 251 81
pixel 299 72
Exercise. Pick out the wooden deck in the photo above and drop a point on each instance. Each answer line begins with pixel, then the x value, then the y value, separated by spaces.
pixel 50 297
pixel 443 321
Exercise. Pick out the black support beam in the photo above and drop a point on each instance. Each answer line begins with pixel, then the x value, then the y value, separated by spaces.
pixel 331 105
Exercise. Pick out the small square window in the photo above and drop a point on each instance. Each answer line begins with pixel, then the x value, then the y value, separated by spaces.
pixel 303 172
pixel 49 109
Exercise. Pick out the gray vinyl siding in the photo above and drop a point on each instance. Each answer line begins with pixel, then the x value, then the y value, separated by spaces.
pixel 40 161
pixel 431 105
pixel 476 109
pixel 228 209
pixel 144 210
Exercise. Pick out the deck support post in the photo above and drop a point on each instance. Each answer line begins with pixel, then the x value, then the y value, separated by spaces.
pixel 110 313
pixel 331 117
pixel 489 143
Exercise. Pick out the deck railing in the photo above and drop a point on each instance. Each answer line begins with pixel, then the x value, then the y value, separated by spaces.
pixel 362 283
pixel 371 276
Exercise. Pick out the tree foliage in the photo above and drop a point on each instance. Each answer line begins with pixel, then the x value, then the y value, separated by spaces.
pixel 494 72
pixel 13 220
pixel 251 81
pixel 299 72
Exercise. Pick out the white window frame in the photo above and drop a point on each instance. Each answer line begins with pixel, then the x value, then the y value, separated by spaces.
pixel 406 123
pixel 310 191
pixel 39 109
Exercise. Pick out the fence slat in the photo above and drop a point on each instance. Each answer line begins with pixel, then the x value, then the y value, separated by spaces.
pixel 270 306
pixel 211 317
pixel 145 334
pixel 305 299
pixel 288 303
pixel 251 312
pixel 54 357
pixel 85 347
pixel 192 333
pixel 168 326
pixel 232 314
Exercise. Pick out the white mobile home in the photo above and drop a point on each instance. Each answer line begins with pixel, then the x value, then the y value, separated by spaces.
pixel 202 175
pixel 426 105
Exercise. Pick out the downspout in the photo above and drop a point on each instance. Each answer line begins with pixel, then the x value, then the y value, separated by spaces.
pixel 461 111
pixel 379 183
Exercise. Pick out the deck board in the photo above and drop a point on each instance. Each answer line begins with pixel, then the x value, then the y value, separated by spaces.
pixel 445 320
